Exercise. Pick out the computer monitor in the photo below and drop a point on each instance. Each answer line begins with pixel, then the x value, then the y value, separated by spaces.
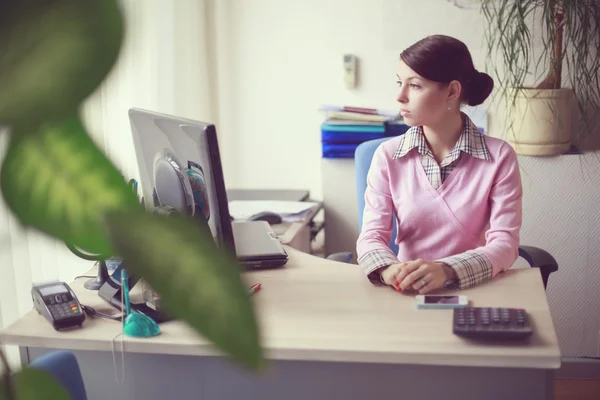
pixel 180 170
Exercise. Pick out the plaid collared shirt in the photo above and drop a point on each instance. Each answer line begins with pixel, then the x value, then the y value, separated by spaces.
pixel 471 267
pixel 471 142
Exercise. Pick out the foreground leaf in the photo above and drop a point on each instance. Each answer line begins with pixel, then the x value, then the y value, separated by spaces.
pixel 198 283
pixel 54 55
pixel 36 384
pixel 3 394
pixel 56 180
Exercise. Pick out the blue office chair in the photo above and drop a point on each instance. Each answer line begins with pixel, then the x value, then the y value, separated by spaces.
pixel 535 257
pixel 63 366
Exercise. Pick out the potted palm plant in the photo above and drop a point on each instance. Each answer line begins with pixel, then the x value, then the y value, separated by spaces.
pixel 559 39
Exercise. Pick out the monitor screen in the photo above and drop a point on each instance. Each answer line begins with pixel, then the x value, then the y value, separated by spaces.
pixel 180 170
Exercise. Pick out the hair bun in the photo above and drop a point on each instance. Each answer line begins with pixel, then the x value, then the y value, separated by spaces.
pixel 480 88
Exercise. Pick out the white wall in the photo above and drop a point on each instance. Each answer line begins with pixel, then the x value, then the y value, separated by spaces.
pixel 287 61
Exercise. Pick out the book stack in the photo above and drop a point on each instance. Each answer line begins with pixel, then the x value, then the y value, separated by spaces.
pixel 345 127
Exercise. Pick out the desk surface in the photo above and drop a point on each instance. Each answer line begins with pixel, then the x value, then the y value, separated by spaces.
pixel 316 309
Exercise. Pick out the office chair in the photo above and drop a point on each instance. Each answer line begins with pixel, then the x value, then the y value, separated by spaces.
pixel 63 366
pixel 535 257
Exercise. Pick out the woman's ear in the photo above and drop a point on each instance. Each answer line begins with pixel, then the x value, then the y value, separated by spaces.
pixel 454 91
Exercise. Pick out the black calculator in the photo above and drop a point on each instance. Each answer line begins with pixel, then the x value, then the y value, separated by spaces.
pixel 491 323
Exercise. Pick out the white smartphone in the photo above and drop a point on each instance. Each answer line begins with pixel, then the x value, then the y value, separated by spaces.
pixel 441 301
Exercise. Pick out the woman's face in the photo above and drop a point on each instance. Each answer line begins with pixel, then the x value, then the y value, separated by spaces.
pixel 422 102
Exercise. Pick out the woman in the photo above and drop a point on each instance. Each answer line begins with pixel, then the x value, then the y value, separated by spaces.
pixel 456 193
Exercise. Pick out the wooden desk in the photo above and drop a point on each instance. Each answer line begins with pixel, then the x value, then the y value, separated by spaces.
pixel 330 335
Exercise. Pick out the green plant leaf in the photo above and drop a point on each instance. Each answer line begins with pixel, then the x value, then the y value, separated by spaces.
pixel 54 55
pixel 3 395
pixel 198 283
pixel 36 384
pixel 56 180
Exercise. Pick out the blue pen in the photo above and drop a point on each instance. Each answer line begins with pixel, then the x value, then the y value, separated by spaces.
pixel 125 291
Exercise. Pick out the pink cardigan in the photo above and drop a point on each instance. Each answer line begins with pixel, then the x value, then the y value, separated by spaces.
pixel 478 207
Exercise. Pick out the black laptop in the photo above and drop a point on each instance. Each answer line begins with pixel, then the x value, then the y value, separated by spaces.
pixel 180 167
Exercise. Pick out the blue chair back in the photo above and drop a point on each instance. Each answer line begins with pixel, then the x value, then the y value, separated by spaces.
pixel 63 366
pixel 362 162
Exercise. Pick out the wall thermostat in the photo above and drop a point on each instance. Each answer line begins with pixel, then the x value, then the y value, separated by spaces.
pixel 350 70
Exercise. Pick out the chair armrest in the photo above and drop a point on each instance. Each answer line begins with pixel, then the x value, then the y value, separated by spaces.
pixel 538 258
pixel 344 257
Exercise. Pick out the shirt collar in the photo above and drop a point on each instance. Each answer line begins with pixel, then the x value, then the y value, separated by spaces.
pixel 470 141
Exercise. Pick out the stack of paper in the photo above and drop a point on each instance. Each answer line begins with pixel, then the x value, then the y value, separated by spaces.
pixel 289 211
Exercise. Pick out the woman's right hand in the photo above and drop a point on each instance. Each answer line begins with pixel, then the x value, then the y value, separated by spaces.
pixel 389 274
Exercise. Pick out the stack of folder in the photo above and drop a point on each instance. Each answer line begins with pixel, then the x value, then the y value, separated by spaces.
pixel 346 127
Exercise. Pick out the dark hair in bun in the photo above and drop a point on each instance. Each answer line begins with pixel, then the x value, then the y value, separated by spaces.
pixel 444 59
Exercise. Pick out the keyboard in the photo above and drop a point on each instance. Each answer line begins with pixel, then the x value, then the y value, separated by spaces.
pixel 491 323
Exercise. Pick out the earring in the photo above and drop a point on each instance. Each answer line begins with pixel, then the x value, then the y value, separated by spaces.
pixel 449 108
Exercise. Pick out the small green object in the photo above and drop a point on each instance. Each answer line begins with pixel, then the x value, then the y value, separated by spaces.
pixel 140 325
pixel 136 324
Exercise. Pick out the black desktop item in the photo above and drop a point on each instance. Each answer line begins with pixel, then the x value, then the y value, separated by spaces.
pixel 491 323
pixel 111 293
pixel 56 302
pixel 180 167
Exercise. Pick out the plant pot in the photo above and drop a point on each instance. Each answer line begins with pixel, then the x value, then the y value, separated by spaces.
pixel 542 122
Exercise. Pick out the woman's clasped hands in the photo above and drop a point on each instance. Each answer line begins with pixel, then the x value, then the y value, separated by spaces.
pixel 420 275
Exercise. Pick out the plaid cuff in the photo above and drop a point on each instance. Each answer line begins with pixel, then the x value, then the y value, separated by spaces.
pixel 471 267
pixel 372 262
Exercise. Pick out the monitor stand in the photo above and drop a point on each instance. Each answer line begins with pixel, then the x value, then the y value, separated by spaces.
pixel 97 282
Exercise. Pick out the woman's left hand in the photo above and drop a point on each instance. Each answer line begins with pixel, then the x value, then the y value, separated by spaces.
pixel 424 276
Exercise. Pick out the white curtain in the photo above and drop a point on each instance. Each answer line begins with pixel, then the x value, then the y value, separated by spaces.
pixel 168 63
